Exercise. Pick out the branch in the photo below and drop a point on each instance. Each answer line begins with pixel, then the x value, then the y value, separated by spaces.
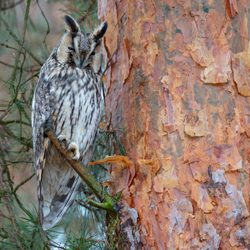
pixel 9 47
pixel 11 5
pixel 17 59
pixel 10 209
pixel 107 202
pixel 18 41
pixel 14 122
pixel 48 27
pixel 26 69
pixel 21 183
pixel 87 13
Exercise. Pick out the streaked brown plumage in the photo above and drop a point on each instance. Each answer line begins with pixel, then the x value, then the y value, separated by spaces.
pixel 68 93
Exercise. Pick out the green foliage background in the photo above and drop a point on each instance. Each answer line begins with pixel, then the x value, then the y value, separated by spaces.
pixel 25 43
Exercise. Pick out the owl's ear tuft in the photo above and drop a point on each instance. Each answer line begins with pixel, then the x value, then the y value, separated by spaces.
pixel 71 24
pixel 100 31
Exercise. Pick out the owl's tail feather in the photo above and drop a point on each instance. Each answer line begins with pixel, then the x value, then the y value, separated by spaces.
pixel 60 205
pixel 59 188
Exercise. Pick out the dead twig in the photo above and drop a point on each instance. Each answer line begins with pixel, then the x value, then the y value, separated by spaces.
pixel 85 15
pixel 23 182
pixel 18 41
pixel 11 5
pixel 48 27
pixel 26 69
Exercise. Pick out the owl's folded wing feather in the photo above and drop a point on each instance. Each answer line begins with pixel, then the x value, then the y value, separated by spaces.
pixel 41 110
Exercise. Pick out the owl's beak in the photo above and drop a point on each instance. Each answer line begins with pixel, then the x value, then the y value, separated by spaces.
pixel 81 61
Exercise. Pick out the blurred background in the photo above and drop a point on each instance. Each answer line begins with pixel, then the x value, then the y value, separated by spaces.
pixel 29 30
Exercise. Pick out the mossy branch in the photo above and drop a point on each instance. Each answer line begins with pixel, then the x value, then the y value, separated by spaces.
pixel 107 202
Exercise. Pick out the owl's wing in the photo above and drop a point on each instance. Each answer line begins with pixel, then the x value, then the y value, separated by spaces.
pixel 42 106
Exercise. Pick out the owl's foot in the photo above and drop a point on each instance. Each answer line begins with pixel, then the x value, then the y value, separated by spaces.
pixel 70 146
pixel 74 149
pixel 63 139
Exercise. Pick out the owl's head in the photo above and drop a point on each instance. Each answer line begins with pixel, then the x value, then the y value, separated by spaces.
pixel 81 49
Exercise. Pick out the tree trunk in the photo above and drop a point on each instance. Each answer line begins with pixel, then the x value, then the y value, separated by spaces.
pixel 180 85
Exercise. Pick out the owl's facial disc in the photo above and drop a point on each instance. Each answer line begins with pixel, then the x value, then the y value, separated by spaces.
pixel 80 49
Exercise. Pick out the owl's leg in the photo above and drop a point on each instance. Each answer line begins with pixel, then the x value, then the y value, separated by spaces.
pixel 71 146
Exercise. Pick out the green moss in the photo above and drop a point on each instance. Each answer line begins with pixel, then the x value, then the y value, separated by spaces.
pixel 115 236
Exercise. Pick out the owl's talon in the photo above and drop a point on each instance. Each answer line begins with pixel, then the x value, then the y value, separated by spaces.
pixel 63 139
pixel 71 146
pixel 74 149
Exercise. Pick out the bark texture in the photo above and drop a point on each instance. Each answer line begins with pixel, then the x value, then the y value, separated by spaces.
pixel 180 84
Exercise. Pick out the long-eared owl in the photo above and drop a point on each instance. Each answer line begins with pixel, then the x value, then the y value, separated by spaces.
pixel 68 94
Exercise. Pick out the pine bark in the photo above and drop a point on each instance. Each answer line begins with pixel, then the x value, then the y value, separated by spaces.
pixel 180 86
